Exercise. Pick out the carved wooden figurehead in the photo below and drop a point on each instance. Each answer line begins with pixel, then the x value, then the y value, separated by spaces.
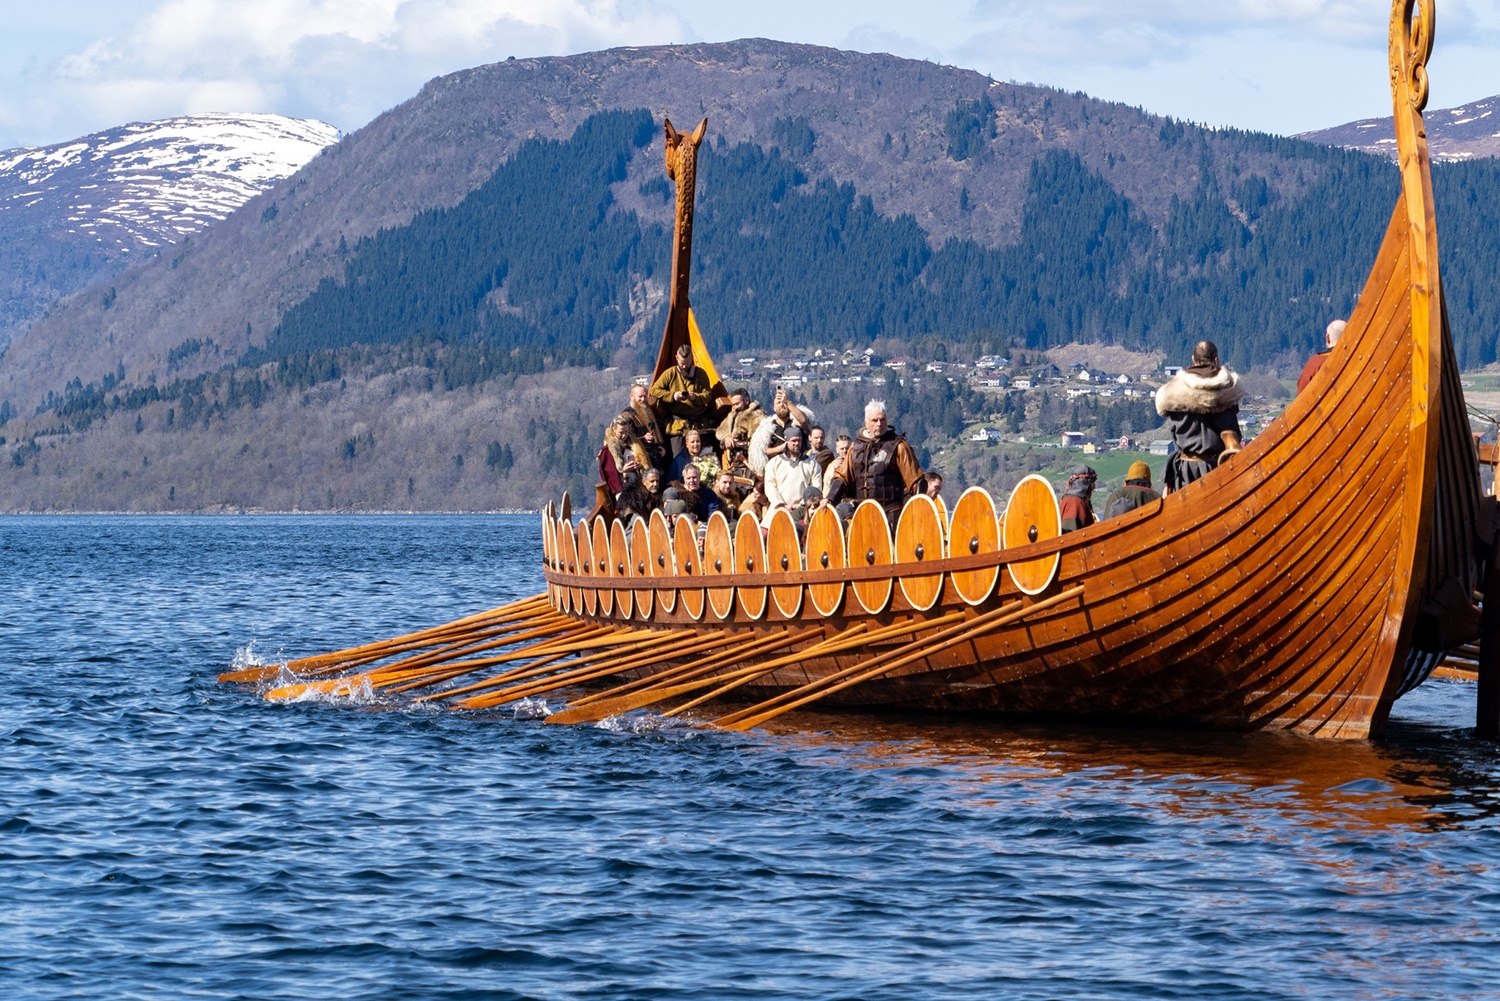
pixel 682 167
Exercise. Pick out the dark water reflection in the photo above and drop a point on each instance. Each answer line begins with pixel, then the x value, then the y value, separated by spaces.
pixel 164 836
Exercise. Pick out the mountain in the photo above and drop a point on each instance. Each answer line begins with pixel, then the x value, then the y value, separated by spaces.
pixel 77 212
pixel 1463 133
pixel 947 147
pixel 443 309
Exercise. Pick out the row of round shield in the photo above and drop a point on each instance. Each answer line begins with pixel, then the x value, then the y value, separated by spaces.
pixel 633 560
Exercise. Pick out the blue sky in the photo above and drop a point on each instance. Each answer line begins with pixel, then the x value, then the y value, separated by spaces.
pixel 68 67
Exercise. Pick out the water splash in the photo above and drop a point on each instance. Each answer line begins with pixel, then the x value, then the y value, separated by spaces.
pixel 248 656
pixel 533 707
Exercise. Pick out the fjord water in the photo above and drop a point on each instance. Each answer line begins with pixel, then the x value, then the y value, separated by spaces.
pixel 165 836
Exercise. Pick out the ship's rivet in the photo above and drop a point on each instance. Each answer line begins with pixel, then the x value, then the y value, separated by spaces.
pixel 920 551
pixel 825 560
pixel 974 544
pixel 870 557
pixel 784 563
pixel 1031 533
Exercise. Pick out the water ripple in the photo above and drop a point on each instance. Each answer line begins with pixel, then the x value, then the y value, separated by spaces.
pixel 163 835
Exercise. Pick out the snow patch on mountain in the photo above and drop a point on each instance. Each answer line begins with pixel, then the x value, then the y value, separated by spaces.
pixel 146 184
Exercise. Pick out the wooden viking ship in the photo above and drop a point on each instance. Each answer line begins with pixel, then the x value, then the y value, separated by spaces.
pixel 1306 584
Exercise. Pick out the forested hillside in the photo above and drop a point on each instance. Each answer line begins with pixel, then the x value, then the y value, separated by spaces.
pixel 536 265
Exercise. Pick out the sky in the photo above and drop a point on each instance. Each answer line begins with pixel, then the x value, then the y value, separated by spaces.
pixel 71 67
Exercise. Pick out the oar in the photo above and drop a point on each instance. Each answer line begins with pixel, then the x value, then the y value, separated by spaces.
pixel 848 639
pixel 593 708
pixel 370 652
pixel 892 661
pixel 591 673
pixel 842 645
pixel 384 677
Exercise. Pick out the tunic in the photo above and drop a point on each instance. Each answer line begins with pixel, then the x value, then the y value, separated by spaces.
pixel 697 412
pixel 884 470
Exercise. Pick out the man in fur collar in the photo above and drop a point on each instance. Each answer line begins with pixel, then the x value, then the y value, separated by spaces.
pixel 1202 406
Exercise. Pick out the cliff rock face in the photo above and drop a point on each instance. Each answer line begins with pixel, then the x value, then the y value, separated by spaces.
pixel 1463 133
pixel 946 145
pixel 83 211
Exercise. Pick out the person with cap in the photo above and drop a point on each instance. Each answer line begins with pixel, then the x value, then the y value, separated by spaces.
pixel 1331 336
pixel 1202 406
pixel 879 466
pixel 685 395
pixel 1075 506
pixel 1135 492
pixel 790 474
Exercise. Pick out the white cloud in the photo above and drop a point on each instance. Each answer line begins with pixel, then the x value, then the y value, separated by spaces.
pixel 1284 65
pixel 340 60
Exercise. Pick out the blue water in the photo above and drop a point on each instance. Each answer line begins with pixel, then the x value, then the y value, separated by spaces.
pixel 164 836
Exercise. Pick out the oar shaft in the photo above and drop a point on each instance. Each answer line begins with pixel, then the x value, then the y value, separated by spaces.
pixel 928 647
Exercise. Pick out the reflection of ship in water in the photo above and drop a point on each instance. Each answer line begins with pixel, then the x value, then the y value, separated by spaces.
pixel 1423 775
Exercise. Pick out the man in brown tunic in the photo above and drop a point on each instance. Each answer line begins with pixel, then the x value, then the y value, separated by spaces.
pixel 879 466
pixel 684 394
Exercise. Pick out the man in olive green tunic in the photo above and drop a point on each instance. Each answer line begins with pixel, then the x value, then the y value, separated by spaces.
pixel 683 393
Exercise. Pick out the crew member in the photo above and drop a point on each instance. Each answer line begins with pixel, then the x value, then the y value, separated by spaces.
pixel 879 466
pixel 1331 336
pixel 643 425
pixel 1076 506
pixel 1201 404
pixel 790 474
pixel 1136 492
pixel 770 435
pixel 739 425
pixel 684 394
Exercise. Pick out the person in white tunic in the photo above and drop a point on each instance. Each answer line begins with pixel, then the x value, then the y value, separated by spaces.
pixel 789 474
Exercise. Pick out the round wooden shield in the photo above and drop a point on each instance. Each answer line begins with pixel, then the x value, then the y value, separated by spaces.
pixel 1032 516
pixel 750 557
pixel 549 556
pixel 586 566
pixel 825 551
pixel 784 556
pixel 565 509
pixel 718 561
pixel 685 549
pixel 619 567
pixel 870 546
pixel 567 556
pixel 603 566
pixel 661 563
pixel 942 507
pixel 640 568
pixel 975 530
pixel 919 539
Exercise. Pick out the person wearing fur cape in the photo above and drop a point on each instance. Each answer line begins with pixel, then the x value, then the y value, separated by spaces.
pixel 1202 406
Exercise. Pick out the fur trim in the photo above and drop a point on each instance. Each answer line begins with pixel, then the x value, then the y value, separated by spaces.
pixel 1188 392
pixel 761 440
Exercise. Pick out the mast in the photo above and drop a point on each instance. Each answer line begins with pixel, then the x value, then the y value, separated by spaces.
pixel 682 167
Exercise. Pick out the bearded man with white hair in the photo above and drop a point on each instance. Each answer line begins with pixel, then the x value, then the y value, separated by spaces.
pixel 879 466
